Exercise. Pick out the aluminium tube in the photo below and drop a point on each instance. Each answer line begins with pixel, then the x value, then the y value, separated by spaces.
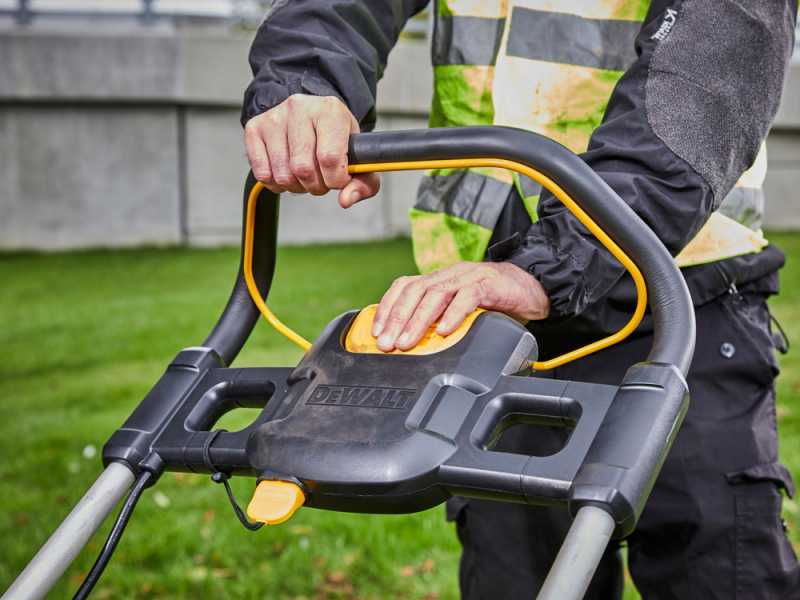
pixel 58 552
pixel 577 560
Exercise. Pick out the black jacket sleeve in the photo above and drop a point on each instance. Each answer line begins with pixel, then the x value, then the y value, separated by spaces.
pixel 325 48
pixel 684 121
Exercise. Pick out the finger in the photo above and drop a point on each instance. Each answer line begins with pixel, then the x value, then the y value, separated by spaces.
pixel 302 154
pixel 431 307
pixel 387 303
pixel 257 155
pixel 401 313
pixel 442 287
pixel 463 303
pixel 274 133
pixel 333 135
pixel 360 187
pixel 455 276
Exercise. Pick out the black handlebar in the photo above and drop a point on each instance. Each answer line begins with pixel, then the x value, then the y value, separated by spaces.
pixel 240 315
pixel 671 306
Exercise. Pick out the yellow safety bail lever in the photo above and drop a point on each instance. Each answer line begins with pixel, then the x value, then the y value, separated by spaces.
pixel 543 180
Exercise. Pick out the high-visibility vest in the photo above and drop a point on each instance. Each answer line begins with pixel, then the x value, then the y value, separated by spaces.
pixel 548 66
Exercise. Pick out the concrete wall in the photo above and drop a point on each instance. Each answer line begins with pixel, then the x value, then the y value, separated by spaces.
pixel 782 186
pixel 127 135
pixel 76 179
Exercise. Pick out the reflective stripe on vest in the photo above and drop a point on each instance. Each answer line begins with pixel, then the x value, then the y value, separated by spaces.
pixel 550 68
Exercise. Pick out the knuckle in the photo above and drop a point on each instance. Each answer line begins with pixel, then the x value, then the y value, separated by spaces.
pixel 282 177
pixel 302 168
pixel 328 158
pixel 293 101
pixel 486 270
pixel 251 128
pixel 262 174
pixel 403 280
pixel 417 286
pixel 337 105
pixel 473 292
pixel 272 118
pixel 485 292
pixel 395 318
pixel 455 283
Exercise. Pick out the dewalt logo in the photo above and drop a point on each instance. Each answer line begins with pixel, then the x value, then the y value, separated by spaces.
pixel 363 396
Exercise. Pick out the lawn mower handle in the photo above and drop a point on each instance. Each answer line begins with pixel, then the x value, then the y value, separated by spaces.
pixel 671 306
pixel 669 358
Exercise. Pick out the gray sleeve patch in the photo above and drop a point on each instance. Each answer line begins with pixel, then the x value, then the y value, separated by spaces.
pixel 715 80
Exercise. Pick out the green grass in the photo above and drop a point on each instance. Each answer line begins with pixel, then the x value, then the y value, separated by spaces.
pixel 84 336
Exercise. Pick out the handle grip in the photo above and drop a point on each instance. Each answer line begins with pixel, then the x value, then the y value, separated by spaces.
pixel 476 469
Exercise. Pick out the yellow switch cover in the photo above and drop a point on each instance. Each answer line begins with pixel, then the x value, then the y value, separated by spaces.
pixel 359 338
pixel 275 502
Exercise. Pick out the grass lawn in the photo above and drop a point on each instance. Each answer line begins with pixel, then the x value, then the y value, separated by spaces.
pixel 84 336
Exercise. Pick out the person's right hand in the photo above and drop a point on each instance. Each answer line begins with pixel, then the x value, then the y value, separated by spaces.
pixel 301 146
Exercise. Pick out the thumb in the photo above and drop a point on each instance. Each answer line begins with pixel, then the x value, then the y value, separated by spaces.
pixel 360 187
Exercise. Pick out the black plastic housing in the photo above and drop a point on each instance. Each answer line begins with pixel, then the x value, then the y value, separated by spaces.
pixel 426 426
pixel 394 433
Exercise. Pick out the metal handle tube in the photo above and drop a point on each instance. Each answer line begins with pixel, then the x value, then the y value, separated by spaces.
pixel 68 540
pixel 577 560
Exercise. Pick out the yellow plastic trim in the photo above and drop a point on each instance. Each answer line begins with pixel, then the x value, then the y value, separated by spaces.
pixel 359 338
pixel 501 163
pixel 274 502
pixel 572 206
pixel 247 266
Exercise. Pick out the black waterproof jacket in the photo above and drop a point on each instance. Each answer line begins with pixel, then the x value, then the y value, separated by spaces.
pixel 685 120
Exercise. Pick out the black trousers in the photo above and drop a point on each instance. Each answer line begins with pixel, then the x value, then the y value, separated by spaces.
pixel 712 527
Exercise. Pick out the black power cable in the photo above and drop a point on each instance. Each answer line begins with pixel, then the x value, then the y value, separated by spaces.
pixel 113 537
pixel 222 478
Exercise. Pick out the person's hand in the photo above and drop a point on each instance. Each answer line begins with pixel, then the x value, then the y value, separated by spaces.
pixel 301 146
pixel 413 304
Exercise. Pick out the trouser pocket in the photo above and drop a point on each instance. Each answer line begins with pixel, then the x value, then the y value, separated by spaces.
pixel 766 565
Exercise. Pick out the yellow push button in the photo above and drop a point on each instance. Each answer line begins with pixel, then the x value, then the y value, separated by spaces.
pixel 275 502
pixel 359 339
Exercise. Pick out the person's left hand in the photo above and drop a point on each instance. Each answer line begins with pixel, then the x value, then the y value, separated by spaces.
pixel 412 304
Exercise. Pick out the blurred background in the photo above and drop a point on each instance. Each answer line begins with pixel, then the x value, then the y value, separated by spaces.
pixel 121 170
pixel 119 126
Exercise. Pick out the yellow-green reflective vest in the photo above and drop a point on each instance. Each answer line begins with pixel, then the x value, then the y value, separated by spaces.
pixel 494 69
